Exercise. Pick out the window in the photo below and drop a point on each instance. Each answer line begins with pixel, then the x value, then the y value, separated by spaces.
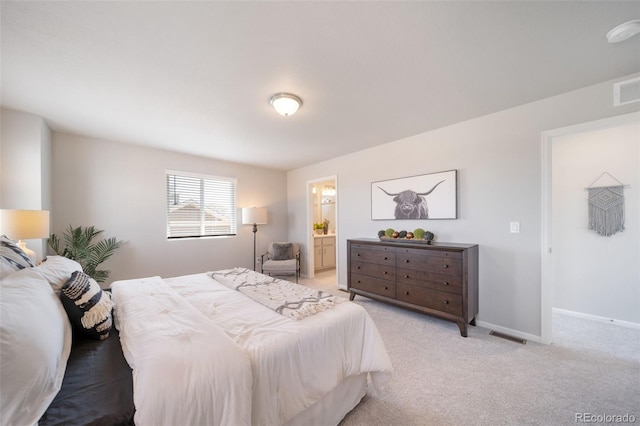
pixel 200 205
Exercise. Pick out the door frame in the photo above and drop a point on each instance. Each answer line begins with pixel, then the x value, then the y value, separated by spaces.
pixel 546 284
pixel 310 261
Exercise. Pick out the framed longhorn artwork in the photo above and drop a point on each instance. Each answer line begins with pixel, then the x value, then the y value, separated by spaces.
pixel 430 196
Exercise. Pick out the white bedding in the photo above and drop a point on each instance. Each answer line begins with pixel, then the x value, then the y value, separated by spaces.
pixel 195 346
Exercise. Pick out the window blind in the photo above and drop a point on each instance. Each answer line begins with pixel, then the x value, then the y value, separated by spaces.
pixel 200 205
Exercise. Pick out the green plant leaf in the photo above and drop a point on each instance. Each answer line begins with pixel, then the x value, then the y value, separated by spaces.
pixel 100 276
pixel 54 243
pixel 103 250
pixel 79 246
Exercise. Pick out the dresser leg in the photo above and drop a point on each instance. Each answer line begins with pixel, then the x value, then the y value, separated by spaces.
pixel 352 296
pixel 463 328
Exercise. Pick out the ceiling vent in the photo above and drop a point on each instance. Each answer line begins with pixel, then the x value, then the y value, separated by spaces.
pixel 626 92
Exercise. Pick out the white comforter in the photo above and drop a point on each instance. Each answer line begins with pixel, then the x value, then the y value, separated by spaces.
pixel 202 353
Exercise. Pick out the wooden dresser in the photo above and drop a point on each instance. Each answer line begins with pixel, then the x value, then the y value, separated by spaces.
pixel 439 279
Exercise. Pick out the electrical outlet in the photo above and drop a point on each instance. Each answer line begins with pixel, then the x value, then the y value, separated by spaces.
pixel 514 227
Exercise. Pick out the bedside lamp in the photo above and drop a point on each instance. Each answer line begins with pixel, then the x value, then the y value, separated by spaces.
pixel 25 225
pixel 254 216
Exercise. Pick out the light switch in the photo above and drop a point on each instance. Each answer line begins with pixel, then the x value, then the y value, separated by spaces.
pixel 514 227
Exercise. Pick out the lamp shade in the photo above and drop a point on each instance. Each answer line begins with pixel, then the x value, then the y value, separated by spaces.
pixel 254 215
pixel 24 224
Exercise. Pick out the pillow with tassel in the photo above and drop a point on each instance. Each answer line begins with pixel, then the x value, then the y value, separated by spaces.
pixel 88 307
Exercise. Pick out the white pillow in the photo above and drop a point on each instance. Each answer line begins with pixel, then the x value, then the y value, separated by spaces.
pixel 35 342
pixel 57 270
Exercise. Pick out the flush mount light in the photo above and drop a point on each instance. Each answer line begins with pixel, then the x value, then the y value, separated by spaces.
pixel 624 31
pixel 285 103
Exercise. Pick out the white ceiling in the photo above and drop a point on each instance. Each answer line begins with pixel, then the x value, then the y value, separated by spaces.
pixel 195 77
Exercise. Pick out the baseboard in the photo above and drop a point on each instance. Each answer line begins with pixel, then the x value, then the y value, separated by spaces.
pixel 621 323
pixel 509 331
pixel 538 339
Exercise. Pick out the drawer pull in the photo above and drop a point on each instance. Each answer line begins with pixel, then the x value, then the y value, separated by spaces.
pixel 386 258
pixel 446 266
pixel 357 267
pixel 358 281
pixel 406 293
pixel 445 283
pixel 406 276
pixel 386 288
pixel 446 302
pixel 385 273
pixel 358 254
pixel 406 261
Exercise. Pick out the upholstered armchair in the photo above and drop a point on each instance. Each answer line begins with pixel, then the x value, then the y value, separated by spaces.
pixel 282 259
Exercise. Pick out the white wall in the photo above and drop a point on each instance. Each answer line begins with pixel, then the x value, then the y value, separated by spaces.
pixel 498 158
pixel 25 166
pixel 120 188
pixel 593 274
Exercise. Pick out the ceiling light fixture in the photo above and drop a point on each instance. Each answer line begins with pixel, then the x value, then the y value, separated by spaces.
pixel 624 31
pixel 285 104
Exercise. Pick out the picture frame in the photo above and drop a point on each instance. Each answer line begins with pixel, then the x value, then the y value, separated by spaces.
pixel 428 196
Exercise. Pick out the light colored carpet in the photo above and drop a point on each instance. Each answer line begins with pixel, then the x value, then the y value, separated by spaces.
pixel 441 378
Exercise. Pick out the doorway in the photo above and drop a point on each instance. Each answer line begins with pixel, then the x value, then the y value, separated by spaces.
pixel 322 226
pixel 556 234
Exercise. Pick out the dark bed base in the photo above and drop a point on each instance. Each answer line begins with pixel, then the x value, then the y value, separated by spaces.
pixel 97 388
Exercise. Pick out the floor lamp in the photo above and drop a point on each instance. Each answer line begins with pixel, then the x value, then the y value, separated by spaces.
pixel 254 216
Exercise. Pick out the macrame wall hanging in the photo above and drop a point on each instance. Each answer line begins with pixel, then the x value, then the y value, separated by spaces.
pixel 606 207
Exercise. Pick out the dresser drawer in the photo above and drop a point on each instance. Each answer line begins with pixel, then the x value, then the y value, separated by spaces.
pixel 428 252
pixel 427 279
pixel 438 300
pixel 380 255
pixel 425 261
pixel 376 270
pixel 373 285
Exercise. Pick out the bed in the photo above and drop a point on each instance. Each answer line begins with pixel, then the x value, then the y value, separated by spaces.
pixel 186 350
pixel 51 373
pixel 97 388
pixel 216 347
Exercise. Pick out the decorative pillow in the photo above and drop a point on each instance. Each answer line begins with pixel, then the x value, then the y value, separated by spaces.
pixel 34 346
pixel 57 270
pixel 282 251
pixel 88 307
pixel 12 257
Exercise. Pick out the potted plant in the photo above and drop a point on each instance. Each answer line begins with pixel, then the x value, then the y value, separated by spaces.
pixel 79 245
pixel 318 228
